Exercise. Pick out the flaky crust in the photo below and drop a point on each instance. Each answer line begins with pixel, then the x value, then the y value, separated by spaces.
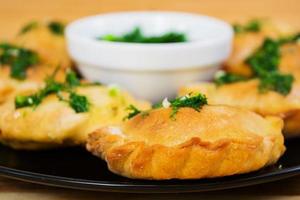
pixel 217 141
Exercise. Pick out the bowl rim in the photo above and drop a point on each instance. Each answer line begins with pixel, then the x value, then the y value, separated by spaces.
pixel 173 48
pixel 70 26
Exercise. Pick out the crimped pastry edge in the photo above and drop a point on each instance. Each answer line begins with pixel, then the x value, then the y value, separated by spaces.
pixel 192 159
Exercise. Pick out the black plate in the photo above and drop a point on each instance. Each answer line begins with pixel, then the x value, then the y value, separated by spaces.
pixel 76 168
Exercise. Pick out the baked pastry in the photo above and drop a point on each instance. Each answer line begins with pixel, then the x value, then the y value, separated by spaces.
pixel 246 94
pixel 247 42
pixel 47 39
pixel 289 61
pixel 35 53
pixel 55 117
pixel 200 142
pixel 34 78
pixel 243 46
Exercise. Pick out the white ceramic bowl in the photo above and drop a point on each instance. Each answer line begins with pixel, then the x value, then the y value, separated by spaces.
pixel 149 71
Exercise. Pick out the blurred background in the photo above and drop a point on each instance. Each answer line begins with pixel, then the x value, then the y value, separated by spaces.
pixel 14 13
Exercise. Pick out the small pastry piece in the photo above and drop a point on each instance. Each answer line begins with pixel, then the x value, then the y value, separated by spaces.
pixel 246 94
pixel 249 38
pixel 47 39
pixel 48 42
pixel 288 57
pixel 212 141
pixel 58 115
pixel 33 55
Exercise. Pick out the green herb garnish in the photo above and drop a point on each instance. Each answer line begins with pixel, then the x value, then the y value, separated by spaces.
pixel 28 27
pixel 57 28
pixel 289 39
pixel 264 64
pixel 27 101
pixel 275 81
pixel 266 58
pixel 251 26
pixel 71 79
pixel 79 103
pixel 51 87
pixel 136 36
pixel 133 111
pixel 196 102
pixel 19 59
pixel 222 78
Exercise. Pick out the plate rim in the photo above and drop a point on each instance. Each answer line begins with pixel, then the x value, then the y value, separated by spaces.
pixel 109 186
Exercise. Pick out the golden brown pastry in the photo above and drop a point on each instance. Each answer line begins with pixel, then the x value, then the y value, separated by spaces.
pixel 42 49
pixel 245 94
pixel 247 42
pixel 214 141
pixel 47 39
pixel 289 56
pixel 290 59
pixel 10 85
pixel 53 123
pixel 7 85
pixel 292 125
pixel 243 46
pixel 35 75
pixel 48 42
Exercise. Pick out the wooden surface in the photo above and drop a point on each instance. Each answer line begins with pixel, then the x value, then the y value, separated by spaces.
pixel 14 13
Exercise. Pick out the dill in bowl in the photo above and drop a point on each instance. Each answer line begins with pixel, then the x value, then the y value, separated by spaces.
pixel 137 36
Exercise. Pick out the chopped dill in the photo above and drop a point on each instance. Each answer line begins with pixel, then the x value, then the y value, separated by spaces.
pixel 18 59
pixel 78 102
pixel 252 26
pixel 222 78
pixel 137 36
pixel 195 102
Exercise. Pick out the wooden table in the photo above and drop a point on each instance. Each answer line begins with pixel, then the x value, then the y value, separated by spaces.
pixel 14 13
